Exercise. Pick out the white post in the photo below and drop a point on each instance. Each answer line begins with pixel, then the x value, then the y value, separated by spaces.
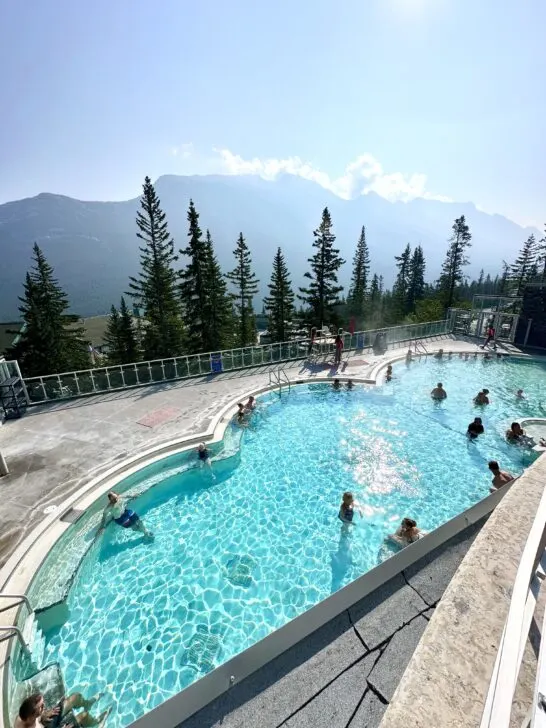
pixel 3 466
pixel 528 331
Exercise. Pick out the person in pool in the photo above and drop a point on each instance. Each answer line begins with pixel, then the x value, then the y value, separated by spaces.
pixel 407 533
pixel 204 455
pixel 481 397
pixel 240 412
pixel 336 384
pixel 439 354
pixel 475 428
pixel 33 713
pixel 347 508
pixel 438 393
pixel 350 384
pixel 251 404
pixel 500 477
pixel 409 356
pixel 388 375
pixel 117 511
pixel 520 394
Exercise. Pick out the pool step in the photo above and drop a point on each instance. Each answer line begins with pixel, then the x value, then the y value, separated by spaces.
pixel 204 648
pixel 239 570
pixel 36 641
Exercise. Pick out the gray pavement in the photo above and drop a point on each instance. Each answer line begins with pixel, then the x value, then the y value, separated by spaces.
pixel 344 674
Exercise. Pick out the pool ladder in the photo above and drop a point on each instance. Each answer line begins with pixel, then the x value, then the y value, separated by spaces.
pixel 11 630
pixel 420 348
pixel 278 378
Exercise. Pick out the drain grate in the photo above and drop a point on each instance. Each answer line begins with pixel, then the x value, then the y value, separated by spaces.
pixel 204 648
pixel 72 515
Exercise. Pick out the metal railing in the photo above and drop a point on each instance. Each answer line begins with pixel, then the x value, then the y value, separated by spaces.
pixel 278 377
pixel 21 599
pixel 113 378
pixel 529 577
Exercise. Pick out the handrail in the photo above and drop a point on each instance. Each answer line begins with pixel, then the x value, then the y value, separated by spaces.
pixel 14 631
pixel 66 385
pixel 498 706
pixel 21 599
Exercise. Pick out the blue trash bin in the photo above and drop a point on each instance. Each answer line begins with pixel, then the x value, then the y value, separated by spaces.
pixel 216 363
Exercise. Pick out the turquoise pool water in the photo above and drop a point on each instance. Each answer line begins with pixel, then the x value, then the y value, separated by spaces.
pixel 237 557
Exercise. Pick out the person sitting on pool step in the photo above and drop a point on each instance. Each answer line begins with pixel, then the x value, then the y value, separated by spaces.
pixel 438 393
pixel 500 477
pixel 32 712
pixel 204 456
pixel 117 511
pixel 407 533
pixel 347 508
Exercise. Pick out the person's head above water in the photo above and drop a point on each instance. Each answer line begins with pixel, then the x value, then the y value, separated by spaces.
pixel 348 498
pixel 113 497
pixel 240 405
pixel 439 385
pixel 493 466
pixel 478 420
pixel 516 428
pixel 250 399
pixel 485 391
pixel 202 446
pixel 408 524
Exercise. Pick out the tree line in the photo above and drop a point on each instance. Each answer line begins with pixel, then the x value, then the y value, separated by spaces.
pixel 197 308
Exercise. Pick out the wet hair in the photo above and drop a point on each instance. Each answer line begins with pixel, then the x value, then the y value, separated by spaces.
pixel 202 446
pixel 112 497
pixel 336 381
pixel 347 497
pixel 440 385
pixel 514 424
pixel 493 465
pixel 28 707
pixel 409 523
pixel 240 405
pixel 478 420
pixel 485 391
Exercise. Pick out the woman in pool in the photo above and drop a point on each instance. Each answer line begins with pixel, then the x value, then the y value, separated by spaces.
pixel 347 509
pixel 388 375
pixel 251 404
pixel 481 397
pixel 204 456
pixel 117 511
pixel 407 533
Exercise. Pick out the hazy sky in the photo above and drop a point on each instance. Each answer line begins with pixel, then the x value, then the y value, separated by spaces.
pixel 406 97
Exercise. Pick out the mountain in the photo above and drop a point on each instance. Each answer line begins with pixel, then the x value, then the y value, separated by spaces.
pixel 94 249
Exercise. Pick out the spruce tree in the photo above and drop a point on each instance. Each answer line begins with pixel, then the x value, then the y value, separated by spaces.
pixel 358 290
pixel 155 288
pixel 279 305
pixel 541 259
pixel 121 336
pixel 455 260
pixel 321 295
pixel 524 269
pixel 246 286
pixel 50 341
pixel 193 288
pixel 400 289
pixel 504 279
pixel 218 304
pixel 375 297
pixel 416 286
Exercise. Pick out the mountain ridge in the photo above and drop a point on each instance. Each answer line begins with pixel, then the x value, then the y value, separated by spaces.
pixel 84 238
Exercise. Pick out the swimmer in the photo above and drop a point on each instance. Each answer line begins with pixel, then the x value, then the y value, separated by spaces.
pixel 388 375
pixel 409 357
pixel 251 404
pixel 407 533
pixel 117 511
pixel 347 509
pixel 450 354
pixel 336 384
pixel 466 356
pixel 481 397
pixel 475 428
pixel 240 412
pixel 204 456
pixel 460 355
pixel 438 393
pixel 33 713
pixel 350 384
pixel 487 357
pixel 515 433
pixel 439 354
pixel 476 355
pixel 500 477
pixel 520 394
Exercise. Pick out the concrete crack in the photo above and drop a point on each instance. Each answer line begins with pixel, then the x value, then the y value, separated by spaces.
pixel 415 590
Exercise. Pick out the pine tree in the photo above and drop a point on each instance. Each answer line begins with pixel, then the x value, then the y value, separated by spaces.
pixel 400 289
pixel 321 295
pixel 155 288
pixel 279 305
pixel 541 259
pixel 121 336
pixel 452 268
pixel 358 290
pixel 416 285
pixel 50 341
pixel 246 286
pixel 375 296
pixel 193 288
pixel 503 283
pixel 218 305
pixel 524 269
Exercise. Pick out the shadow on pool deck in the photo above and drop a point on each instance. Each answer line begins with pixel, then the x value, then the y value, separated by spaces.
pixel 344 674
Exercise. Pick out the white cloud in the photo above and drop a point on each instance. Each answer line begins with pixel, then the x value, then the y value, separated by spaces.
pixel 364 174
pixel 184 151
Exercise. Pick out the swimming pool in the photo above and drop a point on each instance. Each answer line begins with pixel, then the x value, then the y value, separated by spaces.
pixel 237 557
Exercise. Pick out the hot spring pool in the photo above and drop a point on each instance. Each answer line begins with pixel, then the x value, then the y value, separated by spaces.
pixel 237 557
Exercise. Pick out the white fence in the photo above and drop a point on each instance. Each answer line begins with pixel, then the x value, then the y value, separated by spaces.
pixel 112 378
